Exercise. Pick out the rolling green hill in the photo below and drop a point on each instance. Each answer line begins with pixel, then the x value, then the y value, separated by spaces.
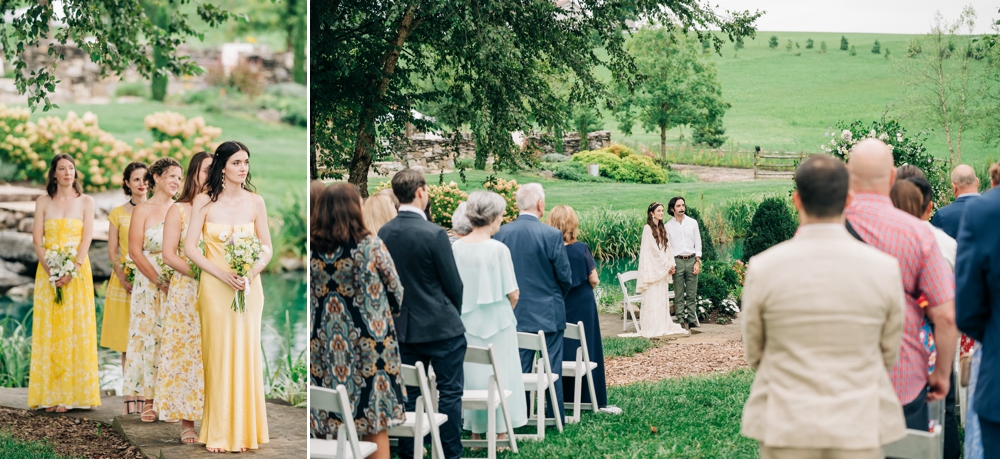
pixel 781 101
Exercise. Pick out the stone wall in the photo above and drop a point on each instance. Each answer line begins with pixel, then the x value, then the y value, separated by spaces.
pixel 571 142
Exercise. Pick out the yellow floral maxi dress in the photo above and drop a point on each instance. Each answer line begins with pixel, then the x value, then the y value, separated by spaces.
pixel 180 380
pixel 145 328
pixel 114 329
pixel 64 336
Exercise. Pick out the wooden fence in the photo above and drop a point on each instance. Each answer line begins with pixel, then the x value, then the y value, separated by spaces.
pixel 775 165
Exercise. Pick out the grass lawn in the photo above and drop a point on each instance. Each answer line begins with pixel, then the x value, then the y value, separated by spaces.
pixel 278 151
pixel 785 102
pixel 627 347
pixel 693 417
pixel 13 448
pixel 619 196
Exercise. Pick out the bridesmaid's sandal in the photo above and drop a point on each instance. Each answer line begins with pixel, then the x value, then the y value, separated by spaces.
pixel 50 409
pixel 189 436
pixel 148 415
pixel 61 409
pixel 129 407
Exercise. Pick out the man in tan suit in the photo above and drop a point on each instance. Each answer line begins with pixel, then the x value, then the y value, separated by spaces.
pixel 822 321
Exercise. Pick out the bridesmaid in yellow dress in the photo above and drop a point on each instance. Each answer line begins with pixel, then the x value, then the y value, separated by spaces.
pixel 64 336
pixel 114 329
pixel 235 418
pixel 145 244
pixel 180 379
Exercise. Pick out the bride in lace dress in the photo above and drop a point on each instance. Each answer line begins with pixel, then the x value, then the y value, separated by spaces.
pixel 656 270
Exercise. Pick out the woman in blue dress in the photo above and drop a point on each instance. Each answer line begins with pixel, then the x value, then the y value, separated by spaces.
pixel 488 299
pixel 581 307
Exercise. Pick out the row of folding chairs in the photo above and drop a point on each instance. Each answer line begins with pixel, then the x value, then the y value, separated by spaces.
pixel 425 420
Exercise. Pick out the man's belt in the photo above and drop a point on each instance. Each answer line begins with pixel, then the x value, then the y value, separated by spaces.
pixel 684 257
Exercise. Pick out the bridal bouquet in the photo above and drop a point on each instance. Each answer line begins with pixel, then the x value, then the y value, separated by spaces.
pixel 60 260
pixel 243 250
pixel 129 267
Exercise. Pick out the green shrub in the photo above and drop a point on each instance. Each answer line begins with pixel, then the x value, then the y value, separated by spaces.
pixel 843 43
pixel 853 52
pixel 611 233
pixel 707 245
pixel 444 201
pixel 877 48
pixel 464 163
pixel 772 42
pixel 202 96
pixel 574 171
pixel 788 46
pixel 133 89
pixel 621 164
pixel 713 289
pixel 887 54
pixel 822 47
pixel 290 90
pixel 15 352
pixel 809 43
pixel 772 224
pixel 709 133
pixel 724 271
pixel 555 158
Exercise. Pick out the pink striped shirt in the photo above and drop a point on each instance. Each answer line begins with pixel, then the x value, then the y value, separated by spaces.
pixel 924 271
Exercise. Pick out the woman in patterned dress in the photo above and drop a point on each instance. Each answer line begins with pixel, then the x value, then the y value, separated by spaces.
pixel 145 244
pixel 64 335
pixel 355 292
pixel 180 378
pixel 114 329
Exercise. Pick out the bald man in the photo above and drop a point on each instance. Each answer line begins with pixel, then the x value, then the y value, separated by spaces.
pixel 924 272
pixel 965 186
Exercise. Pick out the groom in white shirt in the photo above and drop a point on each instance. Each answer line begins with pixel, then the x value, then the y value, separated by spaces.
pixel 684 238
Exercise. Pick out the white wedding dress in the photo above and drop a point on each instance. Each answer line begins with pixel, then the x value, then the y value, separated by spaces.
pixel 654 277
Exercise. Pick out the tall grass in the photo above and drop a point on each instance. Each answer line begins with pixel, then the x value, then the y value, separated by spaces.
pixel 15 351
pixel 288 225
pixel 728 156
pixel 288 380
pixel 611 233
pixel 626 347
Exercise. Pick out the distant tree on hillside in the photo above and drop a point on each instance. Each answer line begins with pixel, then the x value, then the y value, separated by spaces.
pixel 877 48
pixel 738 46
pixel 809 43
pixel 822 47
pixel 853 52
pixel 788 46
pixel 887 54
pixel 913 48
pixel 773 42
pixel 843 43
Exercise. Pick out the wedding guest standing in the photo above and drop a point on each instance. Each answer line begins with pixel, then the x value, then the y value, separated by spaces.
pixel 657 269
pixel 180 379
pixel 378 211
pixel 581 306
pixel 114 328
pixel 429 324
pixel 822 319
pixel 965 186
pixel 489 297
pixel 145 242
pixel 460 225
pixel 544 276
pixel 316 188
pixel 64 331
pixel 353 340
pixel 685 243
pixel 235 418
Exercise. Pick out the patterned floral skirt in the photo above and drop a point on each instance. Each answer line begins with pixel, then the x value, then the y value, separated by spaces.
pixel 180 379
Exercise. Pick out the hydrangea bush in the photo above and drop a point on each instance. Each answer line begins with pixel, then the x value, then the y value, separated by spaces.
pixel 508 191
pixel 444 201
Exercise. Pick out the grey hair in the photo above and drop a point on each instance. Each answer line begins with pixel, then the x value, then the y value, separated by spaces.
pixel 459 222
pixel 529 195
pixel 483 208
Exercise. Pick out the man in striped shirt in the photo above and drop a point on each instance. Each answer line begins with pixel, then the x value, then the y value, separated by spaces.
pixel 924 271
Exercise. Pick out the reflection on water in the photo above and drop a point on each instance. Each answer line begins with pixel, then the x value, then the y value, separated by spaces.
pixel 282 292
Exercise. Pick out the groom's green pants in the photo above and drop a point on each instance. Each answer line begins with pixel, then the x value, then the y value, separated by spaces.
pixel 686 291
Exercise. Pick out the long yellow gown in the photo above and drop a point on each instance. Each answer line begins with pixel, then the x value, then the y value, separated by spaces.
pixel 114 328
pixel 235 416
pixel 64 336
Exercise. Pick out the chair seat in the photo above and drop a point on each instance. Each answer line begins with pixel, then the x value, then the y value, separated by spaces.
pixel 916 444
pixel 327 449
pixel 533 381
pixel 636 299
pixel 479 399
pixel 407 428
pixel 569 368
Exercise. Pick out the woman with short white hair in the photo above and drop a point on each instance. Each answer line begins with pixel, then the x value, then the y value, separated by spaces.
pixel 488 302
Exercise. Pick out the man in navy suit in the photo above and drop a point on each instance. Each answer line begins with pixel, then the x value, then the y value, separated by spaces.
pixel 977 306
pixel 965 185
pixel 543 274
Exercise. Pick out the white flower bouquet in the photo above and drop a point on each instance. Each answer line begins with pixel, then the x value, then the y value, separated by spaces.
pixel 243 251
pixel 60 260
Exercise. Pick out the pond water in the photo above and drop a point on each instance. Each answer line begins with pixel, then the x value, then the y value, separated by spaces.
pixel 285 296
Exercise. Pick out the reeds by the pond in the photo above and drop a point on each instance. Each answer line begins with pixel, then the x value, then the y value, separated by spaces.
pixel 15 351
pixel 287 381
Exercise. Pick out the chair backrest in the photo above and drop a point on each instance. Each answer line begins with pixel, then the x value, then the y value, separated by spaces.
pixel 626 277
pixel 414 375
pixel 337 401
pixel 484 356
pixel 575 331
pixel 535 342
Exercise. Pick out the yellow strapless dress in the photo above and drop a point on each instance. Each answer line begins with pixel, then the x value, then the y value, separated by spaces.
pixel 235 416
pixel 114 328
pixel 64 336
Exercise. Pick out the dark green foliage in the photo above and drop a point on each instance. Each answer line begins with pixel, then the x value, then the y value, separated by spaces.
pixel 722 270
pixel 809 43
pixel 913 47
pixel 626 347
pixel 853 51
pixel 788 46
pixel 822 47
pixel 772 42
pixel 136 89
pixel 877 48
pixel 772 224
pixel 709 132
pixel 572 170
pixel 708 252
pixel 887 54
pixel 713 289
pixel 843 43
pixel 15 448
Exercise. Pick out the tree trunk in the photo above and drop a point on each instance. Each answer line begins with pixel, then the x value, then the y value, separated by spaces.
pixel 944 104
pixel 364 146
pixel 663 142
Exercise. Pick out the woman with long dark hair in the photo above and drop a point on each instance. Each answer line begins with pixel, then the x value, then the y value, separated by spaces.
pixel 347 263
pixel 235 418
pixel 145 246
pixel 656 270
pixel 114 329
pixel 64 329
pixel 180 380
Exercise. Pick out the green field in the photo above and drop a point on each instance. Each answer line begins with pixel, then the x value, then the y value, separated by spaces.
pixel 278 151
pixel 785 102
pixel 618 196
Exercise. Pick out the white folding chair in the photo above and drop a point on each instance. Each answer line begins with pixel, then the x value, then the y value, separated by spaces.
pixel 425 419
pixel 579 369
pixel 918 444
pixel 336 401
pixel 495 396
pixel 629 299
pixel 542 380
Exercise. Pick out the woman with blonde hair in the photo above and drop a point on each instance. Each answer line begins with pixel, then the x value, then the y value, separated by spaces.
pixel 378 210
pixel 581 306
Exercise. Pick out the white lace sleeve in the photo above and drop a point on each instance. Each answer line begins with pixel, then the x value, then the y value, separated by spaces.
pixel 654 265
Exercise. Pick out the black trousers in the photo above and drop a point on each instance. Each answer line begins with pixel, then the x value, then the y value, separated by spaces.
pixel 447 357
pixel 952 450
pixel 916 413
pixel 991 438
pixel 554 342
